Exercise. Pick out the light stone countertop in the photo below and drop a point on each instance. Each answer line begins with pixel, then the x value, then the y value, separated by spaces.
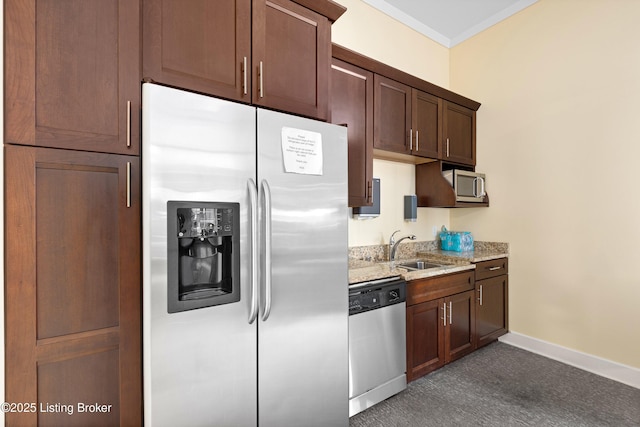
pixel 466 257
pixel 452 262
pixel 381 270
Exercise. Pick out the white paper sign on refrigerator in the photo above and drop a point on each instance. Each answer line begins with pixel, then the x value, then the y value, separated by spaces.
pixel 302 151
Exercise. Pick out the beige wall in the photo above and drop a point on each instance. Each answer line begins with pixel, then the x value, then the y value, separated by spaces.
pixel 373 34
pixel 396 181
pixel 368 31
pixel 558 136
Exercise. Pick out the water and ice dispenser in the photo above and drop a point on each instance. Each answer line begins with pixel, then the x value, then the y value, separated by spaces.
pixel 203 254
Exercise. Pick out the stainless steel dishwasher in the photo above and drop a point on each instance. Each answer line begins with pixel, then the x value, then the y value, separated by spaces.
pixel 377 342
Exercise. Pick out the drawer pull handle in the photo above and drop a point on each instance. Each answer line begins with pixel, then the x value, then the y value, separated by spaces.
pixel 494 268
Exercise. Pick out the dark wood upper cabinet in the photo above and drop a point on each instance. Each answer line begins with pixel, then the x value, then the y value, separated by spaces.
pixel 201 45
pixel 272 53
pixel 72 285
pixel 407 120
pixel 392 115
pixel 352 105
pixel 459 138
pixel 72 74
pixel 291 58
pixel 414 120
pixel 426 124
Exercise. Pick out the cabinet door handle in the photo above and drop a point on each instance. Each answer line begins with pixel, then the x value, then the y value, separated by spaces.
pixel 480 299
pixel 244 75
pixel 261 81
pixel 450 313
pixel 410 139
pixel 444 317
pixel 128 123
pixel 447 147
pixel 128 184
pixel 417 142
pixel 494 268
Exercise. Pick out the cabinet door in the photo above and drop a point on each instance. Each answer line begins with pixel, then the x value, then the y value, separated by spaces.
pixel 459 134
pixel 291 58
pixel 72 295
pixel 460 325
pixel 200 45
pixel 425 338
pixel 426 124
pixel 72 74
pixel 352 105
pixel 491 309
pixel 392 115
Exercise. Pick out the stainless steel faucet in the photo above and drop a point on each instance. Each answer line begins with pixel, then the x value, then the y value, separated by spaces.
pixel 393 245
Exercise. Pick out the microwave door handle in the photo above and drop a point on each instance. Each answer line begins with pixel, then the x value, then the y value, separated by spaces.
pixel 482 192
pixel 475 187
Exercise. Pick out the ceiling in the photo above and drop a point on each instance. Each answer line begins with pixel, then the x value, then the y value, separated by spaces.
pixel 450 22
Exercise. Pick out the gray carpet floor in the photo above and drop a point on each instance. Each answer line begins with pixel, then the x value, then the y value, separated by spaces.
pixel 501 385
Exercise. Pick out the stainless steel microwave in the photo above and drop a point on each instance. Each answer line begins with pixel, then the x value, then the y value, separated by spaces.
pixel 468 186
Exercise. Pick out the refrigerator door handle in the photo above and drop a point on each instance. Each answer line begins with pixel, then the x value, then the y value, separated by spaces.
pixel 267 253
pixel 253 198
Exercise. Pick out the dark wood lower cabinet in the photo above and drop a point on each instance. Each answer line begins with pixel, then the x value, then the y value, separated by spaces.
pixel 440 322
pixel 492 296
pixel 460 324
pixel 450 316
pixel 425 339
pixel 73 288
pixel 491 314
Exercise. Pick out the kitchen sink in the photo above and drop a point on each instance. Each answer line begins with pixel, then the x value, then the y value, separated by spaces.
pixel 418 265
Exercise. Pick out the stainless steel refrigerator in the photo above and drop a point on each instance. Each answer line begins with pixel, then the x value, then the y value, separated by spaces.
pixel 245 265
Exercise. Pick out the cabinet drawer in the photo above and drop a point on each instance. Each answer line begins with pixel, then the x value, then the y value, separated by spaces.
pixel 493 268
pixel 431 288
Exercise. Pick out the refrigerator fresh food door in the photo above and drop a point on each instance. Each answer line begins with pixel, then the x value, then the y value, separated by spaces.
pixel 200 366
pixel 303 321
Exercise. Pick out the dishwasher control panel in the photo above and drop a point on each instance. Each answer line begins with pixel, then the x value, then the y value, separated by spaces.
pixel 370 296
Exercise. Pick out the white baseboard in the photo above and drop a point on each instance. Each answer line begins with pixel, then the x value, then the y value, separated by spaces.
pixel 615 371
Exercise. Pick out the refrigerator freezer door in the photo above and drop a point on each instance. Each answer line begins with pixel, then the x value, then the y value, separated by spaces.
pixel 303 343
pixel 199 365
